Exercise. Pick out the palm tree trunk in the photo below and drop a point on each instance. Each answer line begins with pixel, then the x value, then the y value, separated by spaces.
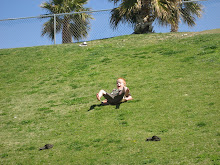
pixel 145 18
pixel 174 28
pixel 176 18
pixel 143 27
pixel 66 33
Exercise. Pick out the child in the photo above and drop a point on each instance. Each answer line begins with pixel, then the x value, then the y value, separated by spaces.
pixel 121 94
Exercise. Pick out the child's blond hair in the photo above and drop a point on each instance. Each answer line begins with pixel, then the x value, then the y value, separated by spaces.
pixel 122 80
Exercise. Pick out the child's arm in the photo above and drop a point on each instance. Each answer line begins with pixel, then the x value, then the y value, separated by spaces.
pixel 127 95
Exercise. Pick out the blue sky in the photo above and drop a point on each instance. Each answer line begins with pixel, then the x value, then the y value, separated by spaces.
pixel 28 8
pixel 30 36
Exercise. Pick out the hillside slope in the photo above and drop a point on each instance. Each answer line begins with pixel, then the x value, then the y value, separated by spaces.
pixel 47 95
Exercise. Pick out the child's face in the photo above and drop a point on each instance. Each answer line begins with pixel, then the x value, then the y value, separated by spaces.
pixel 120 83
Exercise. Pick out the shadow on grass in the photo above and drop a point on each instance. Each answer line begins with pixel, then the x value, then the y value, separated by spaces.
pixel 117 106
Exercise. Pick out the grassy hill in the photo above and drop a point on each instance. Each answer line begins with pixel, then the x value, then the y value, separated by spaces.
pixel 47 96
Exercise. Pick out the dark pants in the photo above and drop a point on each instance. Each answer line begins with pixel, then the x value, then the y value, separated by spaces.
pixel 114 99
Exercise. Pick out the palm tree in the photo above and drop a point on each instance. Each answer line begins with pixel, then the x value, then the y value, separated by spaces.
pixel 135 13
pixel 72 25
pixel 142 13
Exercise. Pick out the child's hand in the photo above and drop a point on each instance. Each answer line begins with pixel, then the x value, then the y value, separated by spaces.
pixel 127 91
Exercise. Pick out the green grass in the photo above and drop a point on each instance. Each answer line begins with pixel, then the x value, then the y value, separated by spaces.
pixel 47 95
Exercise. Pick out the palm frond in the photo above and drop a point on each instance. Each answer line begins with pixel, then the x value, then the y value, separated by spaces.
pixel 189 12
pixel 48 29
pixel 79 26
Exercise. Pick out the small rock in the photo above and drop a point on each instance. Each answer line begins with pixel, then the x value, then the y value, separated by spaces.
pixel 83 44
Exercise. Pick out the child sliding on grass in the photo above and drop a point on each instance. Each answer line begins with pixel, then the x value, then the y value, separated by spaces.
pixel 121 94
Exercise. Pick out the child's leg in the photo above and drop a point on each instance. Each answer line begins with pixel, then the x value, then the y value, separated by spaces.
pixel 105 102
pixel 100 94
